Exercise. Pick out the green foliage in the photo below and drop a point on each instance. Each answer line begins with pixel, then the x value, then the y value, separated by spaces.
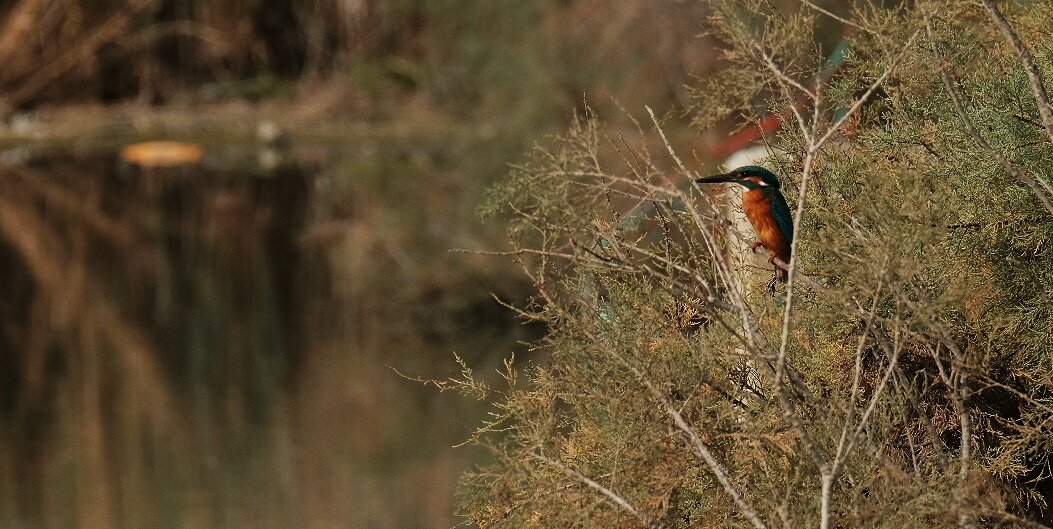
pixel 905 366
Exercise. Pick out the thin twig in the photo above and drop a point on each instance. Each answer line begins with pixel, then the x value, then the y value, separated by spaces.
pixel 870 91
pixel 1038 187
pixel 842 453
pixel 607 493
pixel 698 445
pixel 1038 87
pixel 839 18
pixel 703 451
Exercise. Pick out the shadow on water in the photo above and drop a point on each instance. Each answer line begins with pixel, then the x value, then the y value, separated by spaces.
pixel 203 348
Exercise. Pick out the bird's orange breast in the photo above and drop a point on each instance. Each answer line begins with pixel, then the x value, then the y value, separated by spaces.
pixel 757 205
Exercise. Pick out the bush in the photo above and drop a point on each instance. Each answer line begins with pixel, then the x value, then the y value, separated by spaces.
pixel 901 376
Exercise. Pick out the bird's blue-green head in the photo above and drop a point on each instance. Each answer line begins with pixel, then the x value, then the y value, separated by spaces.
pixel 749 176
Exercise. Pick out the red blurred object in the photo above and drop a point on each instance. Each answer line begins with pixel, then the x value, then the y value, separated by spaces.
pixel 773 122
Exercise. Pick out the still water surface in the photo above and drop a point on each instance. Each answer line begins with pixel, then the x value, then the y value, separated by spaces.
pixel 212 346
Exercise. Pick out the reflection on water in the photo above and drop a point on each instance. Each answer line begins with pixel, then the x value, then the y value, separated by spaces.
pixel 208 348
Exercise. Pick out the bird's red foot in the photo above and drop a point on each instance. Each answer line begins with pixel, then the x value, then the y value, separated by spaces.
pixel 756 245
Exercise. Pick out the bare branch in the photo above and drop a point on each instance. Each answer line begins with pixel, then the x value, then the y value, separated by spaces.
pixel 838 18
pixel 785 81
pixel 703 451
pixel 607 493
pixel 812 150
pixel 1039 187
pixel 1034 76
pixel 873 403
pixel 857 372
pixel 870 91
pixel 669 147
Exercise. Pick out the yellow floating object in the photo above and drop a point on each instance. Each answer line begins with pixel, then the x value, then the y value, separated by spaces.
pixel 162 153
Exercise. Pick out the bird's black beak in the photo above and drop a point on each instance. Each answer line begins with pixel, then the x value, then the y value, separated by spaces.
pixel 718 179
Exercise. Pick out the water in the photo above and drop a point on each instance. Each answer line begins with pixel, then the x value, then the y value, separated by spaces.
pixel 212 346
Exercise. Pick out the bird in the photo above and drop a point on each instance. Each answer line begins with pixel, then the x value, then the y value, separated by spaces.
pixel 766 210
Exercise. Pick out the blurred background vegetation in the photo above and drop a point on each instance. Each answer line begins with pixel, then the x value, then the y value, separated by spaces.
pixel 211 345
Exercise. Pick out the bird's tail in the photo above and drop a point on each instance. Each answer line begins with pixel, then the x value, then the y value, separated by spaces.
pixel 782 274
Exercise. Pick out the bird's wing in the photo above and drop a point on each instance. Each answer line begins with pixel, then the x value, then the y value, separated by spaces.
pixel 782 215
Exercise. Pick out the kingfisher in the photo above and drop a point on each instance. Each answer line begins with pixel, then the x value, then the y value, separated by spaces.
pixel 766 210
